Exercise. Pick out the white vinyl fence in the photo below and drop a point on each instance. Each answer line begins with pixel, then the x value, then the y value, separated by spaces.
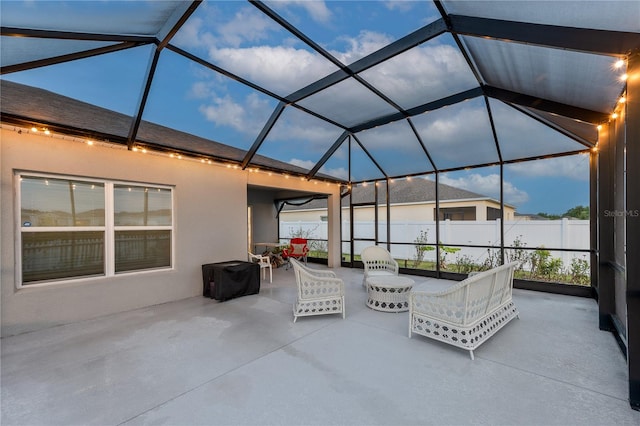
pixel 559 234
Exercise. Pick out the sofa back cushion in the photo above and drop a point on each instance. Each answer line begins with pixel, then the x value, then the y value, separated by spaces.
pixel 487 291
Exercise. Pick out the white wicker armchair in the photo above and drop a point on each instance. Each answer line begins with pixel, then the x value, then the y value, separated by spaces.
pixel 377 261
pixel 469 312
pixel 319 292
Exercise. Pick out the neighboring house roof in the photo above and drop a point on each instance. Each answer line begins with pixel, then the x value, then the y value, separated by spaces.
pixel 30 103
pixel 416 190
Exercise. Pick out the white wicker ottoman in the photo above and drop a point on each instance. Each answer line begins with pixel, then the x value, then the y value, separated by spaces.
pixel 389 293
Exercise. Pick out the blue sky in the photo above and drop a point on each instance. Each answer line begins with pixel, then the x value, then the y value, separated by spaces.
pixel 236 36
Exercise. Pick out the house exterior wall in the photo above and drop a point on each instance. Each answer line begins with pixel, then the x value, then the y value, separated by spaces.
pixel 265 223
pixel 210 225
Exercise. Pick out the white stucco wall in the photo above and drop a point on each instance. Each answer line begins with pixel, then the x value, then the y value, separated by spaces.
pixel 210 207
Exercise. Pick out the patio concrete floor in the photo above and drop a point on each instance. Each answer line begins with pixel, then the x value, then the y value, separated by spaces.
pixel 244 361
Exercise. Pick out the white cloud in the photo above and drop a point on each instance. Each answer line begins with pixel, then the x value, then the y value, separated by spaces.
pixel 247 116
pixel 200 90
pixel 224 112
pixel 458 135
pixel 422 74
pixel 574 167
pixel 403 6
pixel 210 31
pixel 317 10
pixel 339 172
pixel 305 164
pixel 309 133
pixel 487 185
pixel 365 43
pixel 247 25
pixel 282 69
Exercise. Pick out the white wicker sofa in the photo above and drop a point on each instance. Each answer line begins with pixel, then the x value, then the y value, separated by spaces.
pixel 469 312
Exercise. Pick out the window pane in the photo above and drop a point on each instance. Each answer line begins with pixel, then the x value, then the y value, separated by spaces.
pixel 137 250
pixel 61 202
pixel 57 255
pixel 142 206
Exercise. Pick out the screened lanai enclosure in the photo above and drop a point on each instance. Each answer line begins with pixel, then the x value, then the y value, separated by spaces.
pixel 461 134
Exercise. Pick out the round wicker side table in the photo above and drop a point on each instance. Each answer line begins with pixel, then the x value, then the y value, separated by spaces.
pixel 389 293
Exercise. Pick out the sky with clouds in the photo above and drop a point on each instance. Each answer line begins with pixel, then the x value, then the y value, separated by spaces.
pixel 237 37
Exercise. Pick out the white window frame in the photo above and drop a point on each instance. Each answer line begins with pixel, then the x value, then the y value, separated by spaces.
pixel 109 228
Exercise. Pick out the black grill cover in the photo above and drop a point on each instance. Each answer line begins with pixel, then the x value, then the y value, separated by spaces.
pixel 227 280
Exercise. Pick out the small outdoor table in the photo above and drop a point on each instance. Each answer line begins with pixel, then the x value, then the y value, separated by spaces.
pixel 389 293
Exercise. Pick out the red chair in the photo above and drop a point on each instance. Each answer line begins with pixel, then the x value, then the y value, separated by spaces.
pixel 297 249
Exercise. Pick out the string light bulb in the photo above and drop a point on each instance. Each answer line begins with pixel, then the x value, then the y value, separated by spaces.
pixel 622 100
pixel 614 115
pixel 619 63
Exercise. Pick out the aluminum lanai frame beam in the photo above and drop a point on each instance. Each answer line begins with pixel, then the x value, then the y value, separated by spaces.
pixel 137 118
pixel 176 21
pixel 385 175
pixel 328 154
pixel 472 65
pixel 414 39
pixel 553 126
pixel 570 111
pixel 263 134
pixel 422 145
pixel 24 66
pixel 578 39
pixel 224 72
pixel 499 151
pixel 490 164
pixel 126 42
pixel 71 35
pixel 171 28
pixel 248 83
pixel 315 46
pixel 429 106
pixel 493 128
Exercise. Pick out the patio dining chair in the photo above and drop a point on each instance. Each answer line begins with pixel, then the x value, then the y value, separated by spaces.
pixel 264 262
